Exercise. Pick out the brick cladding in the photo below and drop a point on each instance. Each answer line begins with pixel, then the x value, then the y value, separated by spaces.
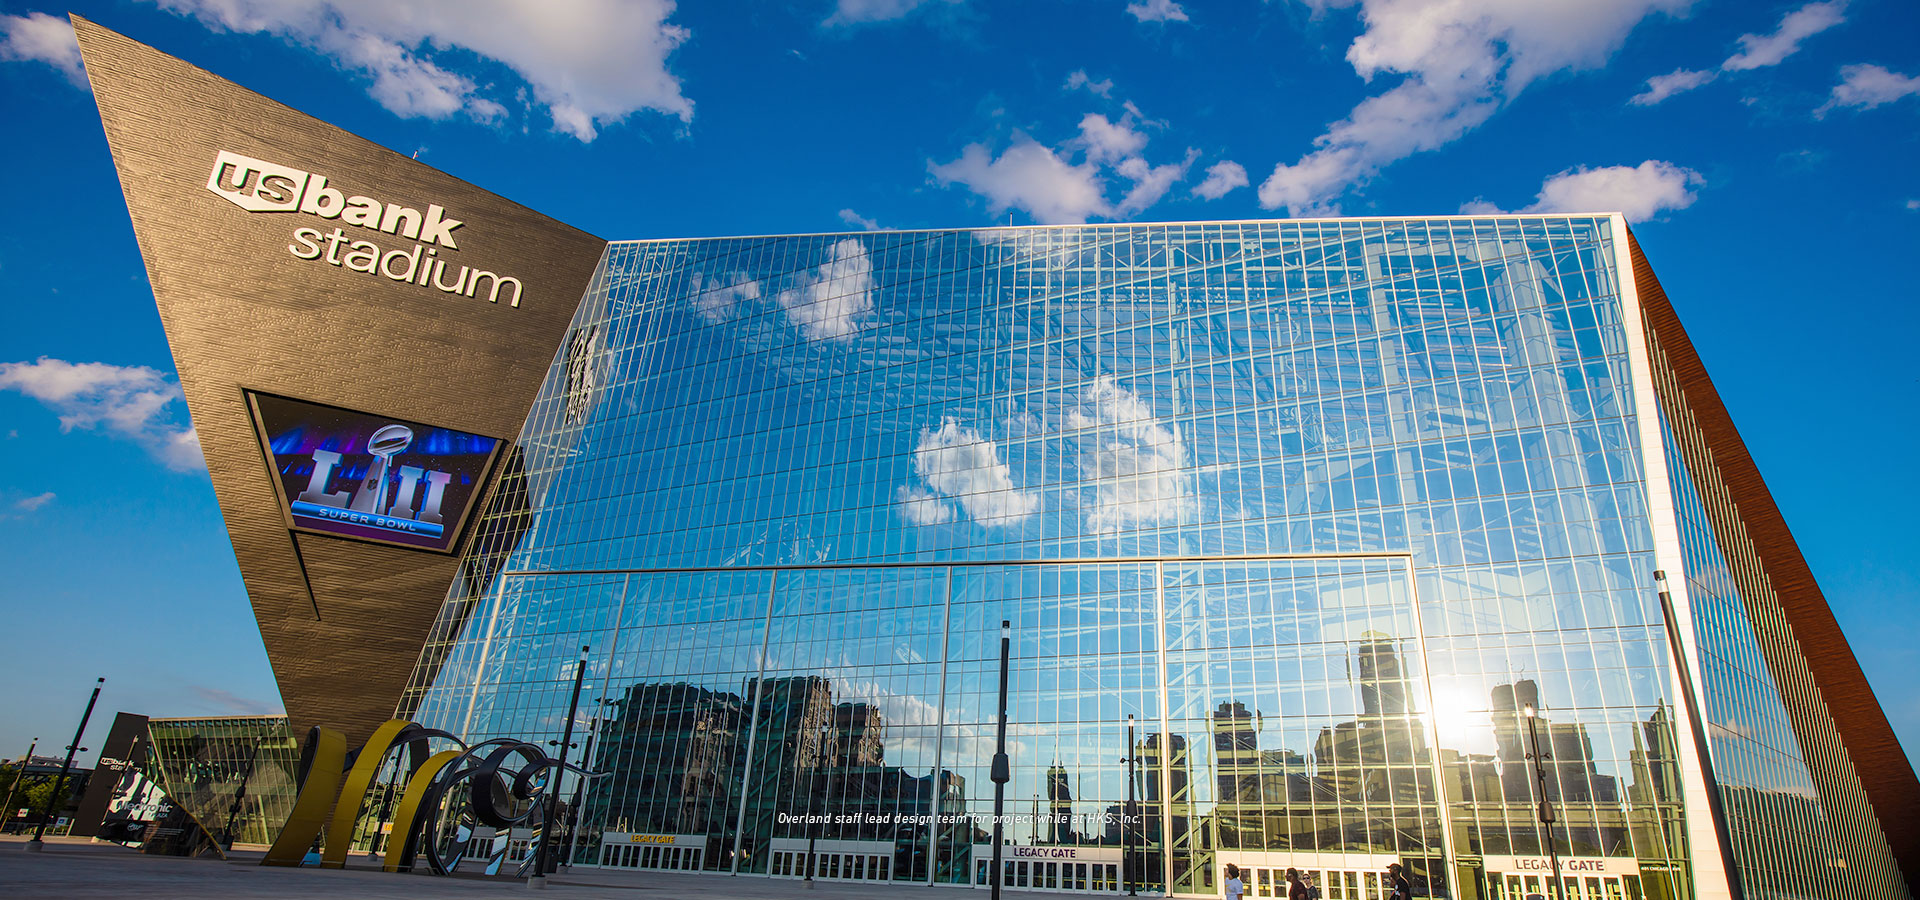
pixel 242 313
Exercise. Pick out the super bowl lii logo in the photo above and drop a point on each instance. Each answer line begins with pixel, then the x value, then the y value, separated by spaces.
pixel 374 501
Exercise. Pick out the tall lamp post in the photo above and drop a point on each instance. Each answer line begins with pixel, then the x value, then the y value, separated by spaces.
pixel 1002 772
pixel 551 796
pixel 1546 806
pixel 60 783
pixel 819 769
pixel 18 774
pixel 1126 833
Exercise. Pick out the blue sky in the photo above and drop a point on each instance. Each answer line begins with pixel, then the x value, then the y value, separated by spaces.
pixel 1764 150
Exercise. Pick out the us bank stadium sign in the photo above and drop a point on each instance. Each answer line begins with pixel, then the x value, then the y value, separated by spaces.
pixel 260 186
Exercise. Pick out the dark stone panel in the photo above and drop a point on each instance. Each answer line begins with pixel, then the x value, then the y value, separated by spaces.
pixel 242 312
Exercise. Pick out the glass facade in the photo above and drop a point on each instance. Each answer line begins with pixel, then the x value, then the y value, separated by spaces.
pixel 234 774
pixel 1309 533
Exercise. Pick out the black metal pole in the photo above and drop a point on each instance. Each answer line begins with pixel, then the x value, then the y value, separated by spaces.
pixel 579 792
pixel 1126 832
pixel 233 812
pixel 1546 806
pixel 60 783
pixel 551 796
pixel 18 774
pixel 1715 807
pixel 818 783
pixel 1002 772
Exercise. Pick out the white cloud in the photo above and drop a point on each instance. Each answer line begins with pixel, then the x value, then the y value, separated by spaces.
pixel 859 221
pixel 1222 177
pixel 959 463
pixel 716 298
pixel 32 504
pixel 1137 463
pixel 1678 81
pixel 590 63
pixel 1868 86
pixel 1637 192
pixel 1107 141
pixel 1913 204
pixel 921 506
pixel 1461 62
pixel 1031 177
pixel 130 402
pixel 829 300
pixel 1761 50
pixel 1157 11
pixel 38 37
pixel 861 12
pixel 1079 79
pixel 1052 189
pixel 1150 183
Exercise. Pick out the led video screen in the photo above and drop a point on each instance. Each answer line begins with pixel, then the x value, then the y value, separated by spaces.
pixel 355 475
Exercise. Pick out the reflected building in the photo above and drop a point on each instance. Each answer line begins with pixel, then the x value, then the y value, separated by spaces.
pixel 1294 495
pixel 1313 502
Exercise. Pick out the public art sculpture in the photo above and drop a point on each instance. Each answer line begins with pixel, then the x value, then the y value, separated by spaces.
pixel 503 784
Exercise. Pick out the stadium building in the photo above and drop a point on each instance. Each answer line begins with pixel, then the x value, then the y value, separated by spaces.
pixel 1323 544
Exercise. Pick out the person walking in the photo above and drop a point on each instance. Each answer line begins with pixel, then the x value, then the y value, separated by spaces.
pixel 1235 887
pixel 1295 890
pixel 1397 885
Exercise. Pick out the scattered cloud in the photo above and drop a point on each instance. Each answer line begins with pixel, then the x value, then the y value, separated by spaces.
pixel 590 63
pixel 1048 186
pixel 1107 141
pixel 717 297
pixel 829 300
pixel 1222 178
pixel 129 402
pixel 1761 50
pixel 1157 11
pixel 863 12
pixel 1637 192
pixel 1136 463
pixel 38 37
pixel 1678 81
pixel 1461 62
pixel 859 221
pixel 1080 79
pixel 33 504
pixel 1913 204
pixel 960 464
pixel 921 506
pixel 233 704
pixel 1031 177
pixel 1868 86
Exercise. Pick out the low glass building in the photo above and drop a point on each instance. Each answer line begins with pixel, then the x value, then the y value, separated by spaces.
pixel 1324 544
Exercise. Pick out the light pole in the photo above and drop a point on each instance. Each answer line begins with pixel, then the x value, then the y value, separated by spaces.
pixel 1715 807
pixel 1126 833
pixel 1546 806
pixel 1001 773
pixel 819 768
pixel 18 774
pixel 233 812
pixel 551 796
pixel 580 789
pixel 60 783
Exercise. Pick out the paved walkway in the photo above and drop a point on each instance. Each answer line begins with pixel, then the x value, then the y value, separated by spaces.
pixel 78 870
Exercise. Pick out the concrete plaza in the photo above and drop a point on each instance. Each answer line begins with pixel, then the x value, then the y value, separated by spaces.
pixel 71 869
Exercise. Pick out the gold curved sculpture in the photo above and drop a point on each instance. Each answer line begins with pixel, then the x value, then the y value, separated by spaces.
pixel 326 756
pixel 398 857
pixel 354 793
